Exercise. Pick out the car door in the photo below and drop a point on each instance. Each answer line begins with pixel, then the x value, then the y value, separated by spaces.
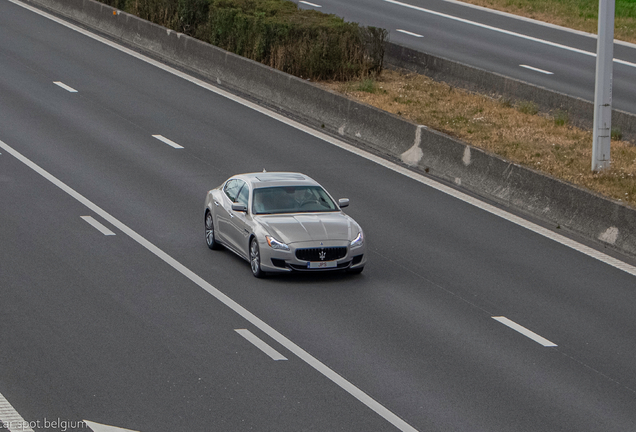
pixel 223 209
pixel 240 222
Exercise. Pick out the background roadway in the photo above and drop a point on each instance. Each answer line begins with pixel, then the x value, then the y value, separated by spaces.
pixel 573 73
pixel 94 327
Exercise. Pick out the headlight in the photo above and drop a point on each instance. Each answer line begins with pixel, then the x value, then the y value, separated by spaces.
pixel 358 240
pixel 275 244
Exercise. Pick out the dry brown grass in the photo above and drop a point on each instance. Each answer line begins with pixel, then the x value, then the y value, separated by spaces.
pixel 516 133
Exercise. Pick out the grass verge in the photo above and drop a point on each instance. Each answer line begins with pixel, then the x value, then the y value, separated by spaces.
pixel 517 133
pixel 577 14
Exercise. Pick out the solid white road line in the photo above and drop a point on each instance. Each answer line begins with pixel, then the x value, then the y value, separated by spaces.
pixel 247 315
pixel 310 4
pixel 355 150
pixel 537 69
pixel 10 419
pixel 65 87
pixel 508 32
pixel 167 141
pixel 524 331
pixel 251 337
pixel 98 225
pixel 409 33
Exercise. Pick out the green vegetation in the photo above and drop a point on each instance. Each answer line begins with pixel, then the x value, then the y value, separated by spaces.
pixel 528 107
pixel 561 117
pixel 305 43
pixel 367 85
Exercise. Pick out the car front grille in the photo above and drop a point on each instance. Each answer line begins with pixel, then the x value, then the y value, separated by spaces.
pixel 321 254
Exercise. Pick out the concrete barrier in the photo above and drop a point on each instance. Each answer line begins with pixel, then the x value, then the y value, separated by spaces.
pixel 532 192
pixel 428 151
pixel 580 111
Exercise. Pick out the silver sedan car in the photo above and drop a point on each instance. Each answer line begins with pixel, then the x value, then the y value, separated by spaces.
pixel 283 222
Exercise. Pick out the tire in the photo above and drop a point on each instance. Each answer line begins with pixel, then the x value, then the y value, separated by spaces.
pixel 210 240
pixel 355 271
pixel 255 259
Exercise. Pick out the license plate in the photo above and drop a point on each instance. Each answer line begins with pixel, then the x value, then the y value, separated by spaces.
pixel 321 264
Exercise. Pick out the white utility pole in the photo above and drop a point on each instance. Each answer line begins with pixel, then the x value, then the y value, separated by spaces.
pixel 603 90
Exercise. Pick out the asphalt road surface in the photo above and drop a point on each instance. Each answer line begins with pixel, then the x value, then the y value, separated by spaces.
pixel 555 58
pixel 113 309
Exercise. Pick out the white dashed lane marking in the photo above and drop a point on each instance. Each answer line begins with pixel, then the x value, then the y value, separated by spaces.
pixel 65 87
pixel 537 70
pixel 409 33
pixel 167 141
pixel 524 331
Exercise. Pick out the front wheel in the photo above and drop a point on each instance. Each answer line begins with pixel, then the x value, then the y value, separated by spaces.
pixel 255 259
pixel 209 232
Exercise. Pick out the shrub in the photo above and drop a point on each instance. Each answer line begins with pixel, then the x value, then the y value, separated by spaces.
pixel 305 43
pixel 193 14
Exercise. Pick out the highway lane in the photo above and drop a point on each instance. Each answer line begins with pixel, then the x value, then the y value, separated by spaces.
pixel 495 42
pixel 101 329
pixel 414 331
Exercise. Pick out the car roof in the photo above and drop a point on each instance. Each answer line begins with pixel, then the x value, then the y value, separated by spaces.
pixel 272 179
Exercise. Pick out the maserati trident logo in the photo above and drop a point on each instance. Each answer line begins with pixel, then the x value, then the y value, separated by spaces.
pixel 322 255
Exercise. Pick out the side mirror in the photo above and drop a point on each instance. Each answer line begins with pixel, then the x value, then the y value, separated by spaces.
pixel 343 202
pixel 239 207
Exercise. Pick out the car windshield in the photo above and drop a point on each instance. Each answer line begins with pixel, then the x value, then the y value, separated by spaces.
pixel 291 199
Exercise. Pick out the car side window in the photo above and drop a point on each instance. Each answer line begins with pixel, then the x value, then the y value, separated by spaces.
pixel 232 188
pixel 244 194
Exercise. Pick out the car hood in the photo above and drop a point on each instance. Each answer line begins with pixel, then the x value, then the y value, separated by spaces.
pixel 309 227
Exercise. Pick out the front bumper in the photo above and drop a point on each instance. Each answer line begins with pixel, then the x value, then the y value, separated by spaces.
pixel 337 255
